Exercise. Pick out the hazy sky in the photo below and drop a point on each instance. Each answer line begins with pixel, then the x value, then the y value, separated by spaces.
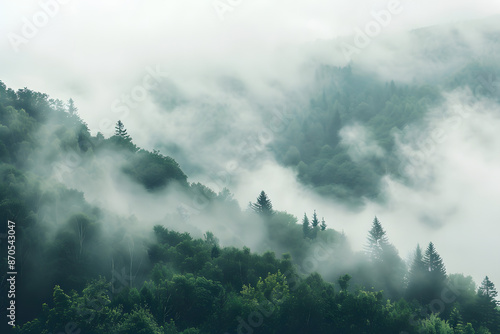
pixel 95 51
pixel 98 52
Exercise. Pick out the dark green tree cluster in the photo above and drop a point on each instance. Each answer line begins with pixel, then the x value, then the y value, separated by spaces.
pixel 153 170
pixel 190 291
pixel 310 229
pixel 312 143
pixel 427 277
pixel 60 238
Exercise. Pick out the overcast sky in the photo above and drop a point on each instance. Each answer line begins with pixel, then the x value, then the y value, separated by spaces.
pixel 94 51
pixel 97 51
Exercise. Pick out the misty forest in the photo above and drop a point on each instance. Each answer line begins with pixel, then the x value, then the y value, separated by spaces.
pixel 159 223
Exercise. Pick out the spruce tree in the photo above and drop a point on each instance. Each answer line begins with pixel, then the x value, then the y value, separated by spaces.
pixel 315 221
pixel 306 229
pixel 434 263
pixel 489 315
pixel 417 269
pixel 72 109
pixel 314 224
pixel 416 276
pixel 377 239
pixel 120 130
pixel 344 282
pixel 487 289
pixel 455 319
pixel 263 206
pixel 388 269
pixel 323 224
pixel 435 276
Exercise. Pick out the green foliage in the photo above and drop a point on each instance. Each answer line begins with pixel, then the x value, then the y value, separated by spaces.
pixel 435 277
pixel 209 301
pixel 263 206
pixel 273 289
pixel 139 321
pixel 306 228
pixel 312 142
pixel 344 282
pixel 154 170
pixel 120 131
pixel 87 313
pixel 292 156
pixel 107 280
pixel 434 263
pixel 486 305
pixel 323 224
pixel 416 276
pixel 377 240
pixel 435 325
pixel 488 290
pixel 314 225
pixel 387 268
pixel 119 143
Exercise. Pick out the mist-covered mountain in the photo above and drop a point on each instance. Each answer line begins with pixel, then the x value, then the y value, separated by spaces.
pixel 338 129
pixel 370 172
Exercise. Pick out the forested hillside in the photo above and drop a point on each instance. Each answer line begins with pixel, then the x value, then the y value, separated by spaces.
pixel 83 268
pixel 348 103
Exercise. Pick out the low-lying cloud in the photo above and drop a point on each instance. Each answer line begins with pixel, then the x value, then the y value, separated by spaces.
pixel 221 82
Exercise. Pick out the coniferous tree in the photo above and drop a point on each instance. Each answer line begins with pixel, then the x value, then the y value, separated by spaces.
pixel 263 206
pixel 487 289
pixel 315 221
pixel 377 239
pixel 72 109
pixel 435 274
pixel 388 268
pixel 122 140
pixel 416 276
pixel 314 224
pixel 120 130
pixel 75 117
pixel 488 314
pixel 323 224
pixel 455 318
pixel 306 229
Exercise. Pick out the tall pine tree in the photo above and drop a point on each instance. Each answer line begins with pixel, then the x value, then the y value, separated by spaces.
pixel 323 224
pixel 263 206
pixel 435 277
pixel 314 224
pixel 487 289
pixel 387 267
pixel 488 314
pixel 416 276
pixel 120 130
pixel 434 263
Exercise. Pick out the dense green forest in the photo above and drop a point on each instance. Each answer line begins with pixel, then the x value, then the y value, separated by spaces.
pixel 85 269
pixel 312 142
